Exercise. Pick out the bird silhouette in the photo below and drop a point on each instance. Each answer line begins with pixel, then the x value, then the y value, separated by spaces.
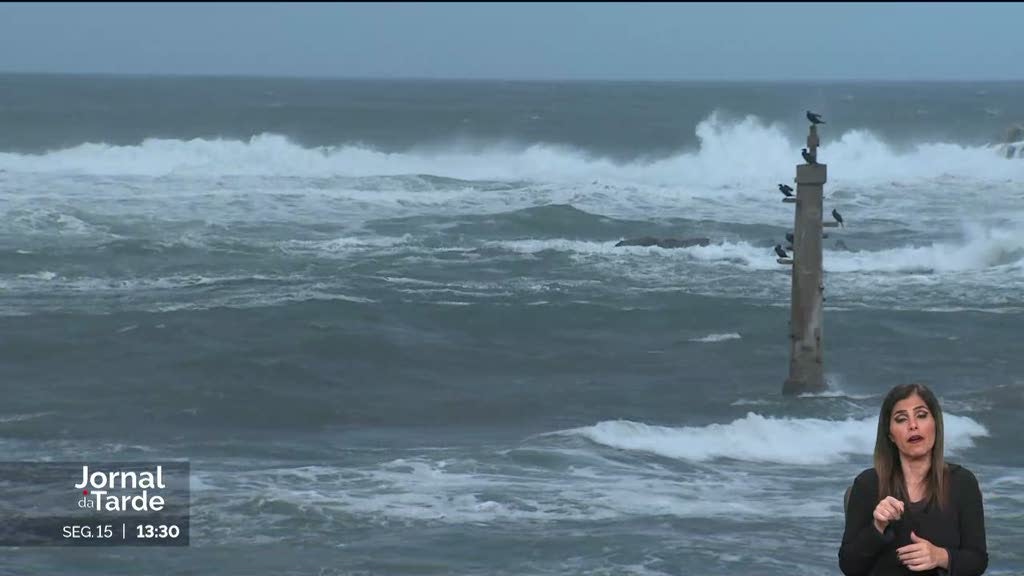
pixel 808 157
pixel 786 190
pixel 814 118
pixel 780 251
pixel 838 217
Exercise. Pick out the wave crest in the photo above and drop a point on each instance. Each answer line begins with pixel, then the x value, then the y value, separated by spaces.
pixel 756 438
pixel 747 152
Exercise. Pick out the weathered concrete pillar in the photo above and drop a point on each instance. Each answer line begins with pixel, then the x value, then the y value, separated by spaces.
pixel 806 362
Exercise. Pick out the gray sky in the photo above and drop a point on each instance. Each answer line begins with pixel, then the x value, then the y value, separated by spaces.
pixel 521 40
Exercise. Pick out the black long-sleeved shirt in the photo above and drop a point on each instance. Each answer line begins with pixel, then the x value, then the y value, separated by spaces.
pixel 959 528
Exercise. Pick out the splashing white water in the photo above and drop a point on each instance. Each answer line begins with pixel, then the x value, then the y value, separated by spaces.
pixel 745 153
pixel 717 337
pixel 757 438
pixel 980 249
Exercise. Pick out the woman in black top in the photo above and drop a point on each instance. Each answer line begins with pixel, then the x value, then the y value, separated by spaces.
pixel 913 513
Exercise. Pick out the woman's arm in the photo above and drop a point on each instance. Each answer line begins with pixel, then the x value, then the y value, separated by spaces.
pixel 862 543
pixel 971 558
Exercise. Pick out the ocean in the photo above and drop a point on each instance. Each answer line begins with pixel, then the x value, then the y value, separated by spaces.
pixel 387 324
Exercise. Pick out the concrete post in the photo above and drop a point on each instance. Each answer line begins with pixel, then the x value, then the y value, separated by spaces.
pixel 806 362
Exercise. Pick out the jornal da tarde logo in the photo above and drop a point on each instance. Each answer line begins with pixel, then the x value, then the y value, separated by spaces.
pixel 119 503
pixel 121 490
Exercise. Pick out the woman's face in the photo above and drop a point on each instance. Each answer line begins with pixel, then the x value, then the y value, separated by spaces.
pixel 912 428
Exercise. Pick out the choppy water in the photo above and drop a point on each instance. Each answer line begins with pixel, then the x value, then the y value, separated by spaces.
pixel 387 323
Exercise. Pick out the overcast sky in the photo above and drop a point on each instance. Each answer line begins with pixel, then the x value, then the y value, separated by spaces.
pixel 521 41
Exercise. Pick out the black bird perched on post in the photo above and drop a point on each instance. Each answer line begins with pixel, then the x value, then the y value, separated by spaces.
pixel 786 190
pixel 838 217
pixel 814 118
pixel 808 157
pixel 780 251
pixel 789 237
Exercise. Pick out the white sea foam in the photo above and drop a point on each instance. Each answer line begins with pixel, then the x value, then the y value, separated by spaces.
pixel 343 245
pixel 22 417
pixel 757 438
pixel 979 249
pixel 717 337
pixel 455 491
pixel 227 183
pixel 749 468
pixel 747 151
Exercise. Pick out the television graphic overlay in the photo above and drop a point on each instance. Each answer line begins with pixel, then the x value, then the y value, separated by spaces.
pixel 94 503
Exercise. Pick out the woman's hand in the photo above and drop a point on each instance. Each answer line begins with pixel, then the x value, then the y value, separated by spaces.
pixel 888 510
pixel 922 555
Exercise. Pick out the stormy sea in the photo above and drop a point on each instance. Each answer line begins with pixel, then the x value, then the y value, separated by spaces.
pixel 388 326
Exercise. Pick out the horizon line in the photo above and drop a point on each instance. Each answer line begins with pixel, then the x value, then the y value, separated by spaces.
pixel 238 75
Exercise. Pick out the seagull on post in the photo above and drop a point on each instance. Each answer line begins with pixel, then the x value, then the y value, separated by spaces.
pixel 838 217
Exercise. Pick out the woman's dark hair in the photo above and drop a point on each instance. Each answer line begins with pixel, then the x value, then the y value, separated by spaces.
pixel 887 457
